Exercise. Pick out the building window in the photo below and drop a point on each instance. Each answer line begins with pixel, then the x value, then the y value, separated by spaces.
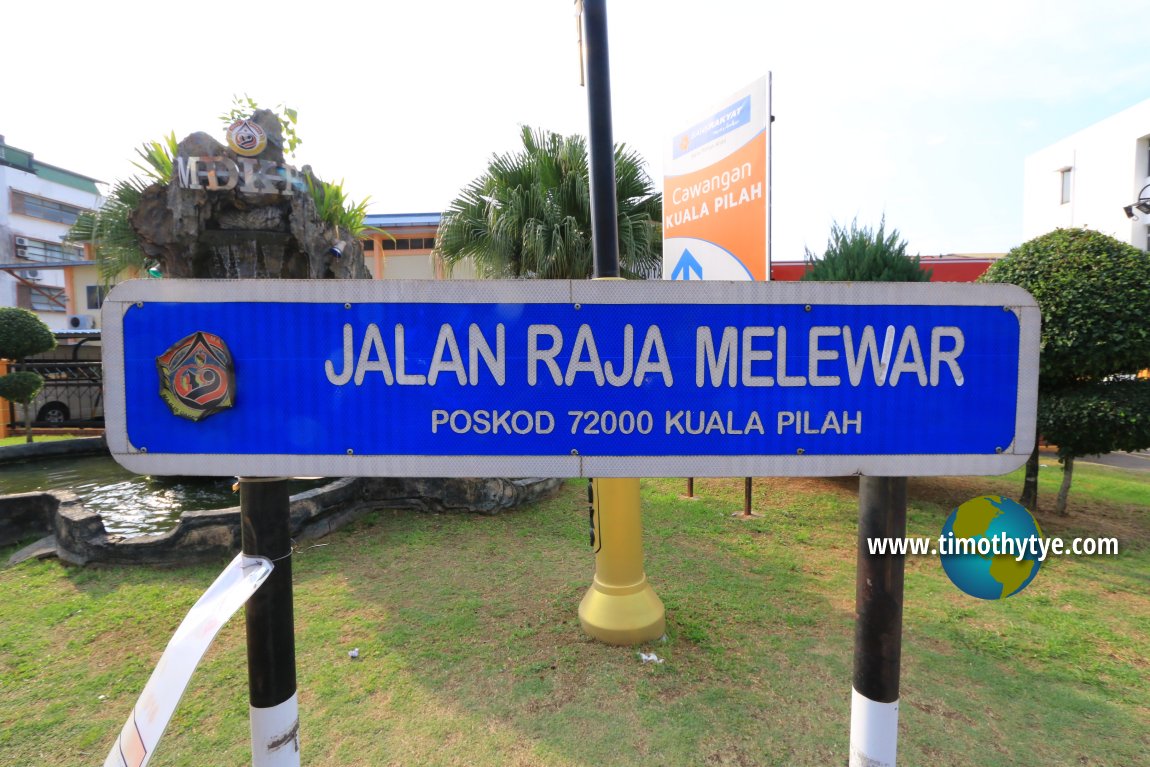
pixel 41 298
pixel 409 243
pixel 368 246
pixel 28 249
pixel 1067 179
pixel 96 295
pixel 41 207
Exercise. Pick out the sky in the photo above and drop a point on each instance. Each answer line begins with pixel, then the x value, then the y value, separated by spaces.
pixel 922 112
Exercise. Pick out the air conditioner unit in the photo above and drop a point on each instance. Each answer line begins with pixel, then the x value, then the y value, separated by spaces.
pixel 81 322
pixel 21 253
pixel 29 274
pixel 21 241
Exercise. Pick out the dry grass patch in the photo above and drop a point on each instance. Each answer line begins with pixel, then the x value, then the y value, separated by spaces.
pixel 471 652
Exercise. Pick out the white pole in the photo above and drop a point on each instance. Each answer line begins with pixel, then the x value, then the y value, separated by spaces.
pixel 275 734
pixel 874 732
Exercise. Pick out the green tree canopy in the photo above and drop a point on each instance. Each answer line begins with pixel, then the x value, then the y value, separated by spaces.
pixel 1093 418
pixel 21 386
pixel 862 254
pixel 529 214
pixel 1093 291
pixel 22 334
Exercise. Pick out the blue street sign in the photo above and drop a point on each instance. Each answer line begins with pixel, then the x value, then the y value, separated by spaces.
pixel 561 378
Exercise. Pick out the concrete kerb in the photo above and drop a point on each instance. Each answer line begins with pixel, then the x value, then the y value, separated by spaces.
pixel 81 538
pixel 65 447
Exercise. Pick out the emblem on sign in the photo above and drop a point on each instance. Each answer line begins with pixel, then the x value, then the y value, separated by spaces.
pixel 246 138
pixel 197 376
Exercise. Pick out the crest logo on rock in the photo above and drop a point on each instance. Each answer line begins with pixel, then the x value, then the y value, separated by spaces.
pixel 246 138
pixel 197 376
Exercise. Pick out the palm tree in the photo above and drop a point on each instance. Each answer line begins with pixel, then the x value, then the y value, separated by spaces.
pixel 109 231
pixel 529 215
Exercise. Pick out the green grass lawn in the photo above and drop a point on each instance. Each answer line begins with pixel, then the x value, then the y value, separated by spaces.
pixel 471 651
pixel 22 440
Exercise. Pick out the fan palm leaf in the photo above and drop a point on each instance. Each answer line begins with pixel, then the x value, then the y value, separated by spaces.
pixel 109 231
pixel 529 214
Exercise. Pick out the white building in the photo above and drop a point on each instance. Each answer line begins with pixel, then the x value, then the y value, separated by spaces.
pixel 1087 179
pixel 38 271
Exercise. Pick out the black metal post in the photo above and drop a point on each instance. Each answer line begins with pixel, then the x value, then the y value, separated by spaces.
pixel 620 608
pixel 878 623
pixel 604 207
pixel 266 532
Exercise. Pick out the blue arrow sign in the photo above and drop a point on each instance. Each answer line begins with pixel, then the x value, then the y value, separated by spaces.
pixel 687 264
pixel 556 378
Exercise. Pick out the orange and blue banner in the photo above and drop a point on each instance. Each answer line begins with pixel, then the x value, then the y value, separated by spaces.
pixel 716 193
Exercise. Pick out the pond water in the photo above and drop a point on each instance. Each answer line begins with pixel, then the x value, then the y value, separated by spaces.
pixel 130 504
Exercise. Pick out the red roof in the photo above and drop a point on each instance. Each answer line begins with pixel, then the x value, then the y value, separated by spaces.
pixel 942 269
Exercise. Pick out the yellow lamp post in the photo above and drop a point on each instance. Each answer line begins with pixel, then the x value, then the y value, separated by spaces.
pixel 620 608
